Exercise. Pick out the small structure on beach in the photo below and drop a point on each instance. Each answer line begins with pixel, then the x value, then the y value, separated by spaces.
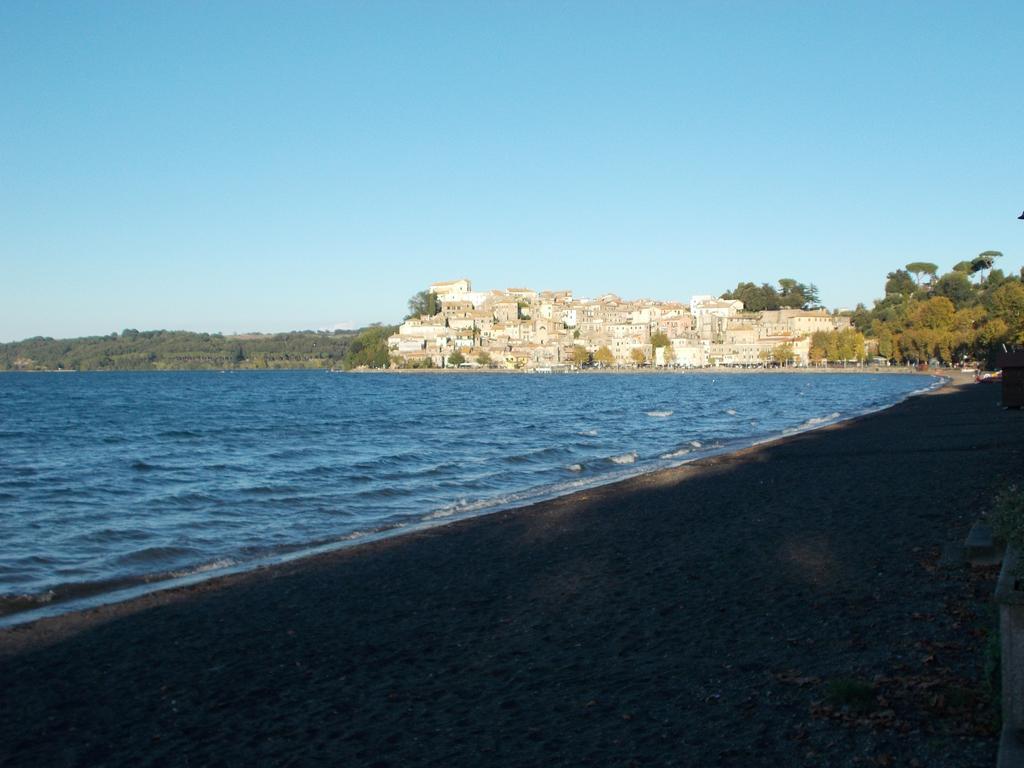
pixel 1012 364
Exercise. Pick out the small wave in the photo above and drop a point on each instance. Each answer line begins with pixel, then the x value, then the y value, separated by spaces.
pixel 385 492
pixel 575 467
pixel 142 466
pixel 185 434
pixel 659 414
pixel 696 444
pixel 188 497
pixel 537 455
pixel 731 411
pixel 823 419
pixel 225 562
pixel 11 603
pixel 675 454
pixel 624 458
pixel 391 460
pixel 267 490
pixel 463 505
pixel 811 422
pixel 108 535
pixel 588 433
pixel 437 514
pixel 155 554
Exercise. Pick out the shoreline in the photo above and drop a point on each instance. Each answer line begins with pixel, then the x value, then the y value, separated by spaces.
pixel 695 615
pixel 651 370
pixel 153 584
pixel 654 371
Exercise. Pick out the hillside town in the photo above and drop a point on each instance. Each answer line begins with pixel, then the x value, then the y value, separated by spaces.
pixel 524 329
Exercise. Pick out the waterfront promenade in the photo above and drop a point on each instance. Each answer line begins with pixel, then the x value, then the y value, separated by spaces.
pixel 697 616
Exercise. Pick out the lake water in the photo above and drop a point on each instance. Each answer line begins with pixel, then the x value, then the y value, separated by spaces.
pixel 109 481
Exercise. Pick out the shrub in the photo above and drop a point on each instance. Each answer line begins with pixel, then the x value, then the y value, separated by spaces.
pixel 1007 516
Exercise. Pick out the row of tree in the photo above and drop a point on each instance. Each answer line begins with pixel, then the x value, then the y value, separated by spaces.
pixel 965 314
pixel 837 346
pixel 789 294
pixel 133 350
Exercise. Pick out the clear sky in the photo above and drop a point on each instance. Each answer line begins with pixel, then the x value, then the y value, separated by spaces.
pixel 273 166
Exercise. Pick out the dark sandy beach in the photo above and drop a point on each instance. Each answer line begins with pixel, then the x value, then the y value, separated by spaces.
pixel 693 617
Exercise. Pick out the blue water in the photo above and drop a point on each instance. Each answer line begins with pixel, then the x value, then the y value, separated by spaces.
pixel 109 480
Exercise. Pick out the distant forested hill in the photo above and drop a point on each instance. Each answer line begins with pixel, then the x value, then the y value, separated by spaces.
pixel 134 350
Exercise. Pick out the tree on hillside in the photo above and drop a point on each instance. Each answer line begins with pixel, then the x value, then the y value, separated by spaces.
pixel 919 268
pixel 936 313
pixel 455 359
pixel 755 298
pixel 484 359
pixel 900 282
pixel 956 287
pixel 580 356
pixel 984 261
pixel 790 294
pixel 1007 305
pixel 796 295
pixel 423 303
pixel 370 348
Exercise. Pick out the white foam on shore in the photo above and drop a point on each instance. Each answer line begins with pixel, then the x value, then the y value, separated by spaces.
pixel 815 421
pixel 575 468
pixel 696 443
pixel 675 454
pixel 624 458
pixel 216 565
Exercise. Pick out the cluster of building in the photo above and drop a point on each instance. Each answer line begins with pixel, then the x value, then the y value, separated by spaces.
pixel 525 329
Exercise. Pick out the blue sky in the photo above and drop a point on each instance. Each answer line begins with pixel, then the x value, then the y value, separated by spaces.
pixel 271 166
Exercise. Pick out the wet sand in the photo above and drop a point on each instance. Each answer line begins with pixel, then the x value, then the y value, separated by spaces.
pixel 689 617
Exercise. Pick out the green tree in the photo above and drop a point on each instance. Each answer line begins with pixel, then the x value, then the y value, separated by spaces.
pixel 1007 304
pixel 956 287
pixel 369 348
pixel 984 261
pixel 484 359
pixel 782 354
pixel 637 356
pixel 936 314
pixel 900 282
pixel 659 339
pixel 604 357
pixel 423 303
pixel 455 359
pixel 580 356
pixel 919 268
pixel 818 353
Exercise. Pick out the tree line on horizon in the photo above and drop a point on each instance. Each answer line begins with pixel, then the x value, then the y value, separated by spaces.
pixel 966 313
pixel 133 350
